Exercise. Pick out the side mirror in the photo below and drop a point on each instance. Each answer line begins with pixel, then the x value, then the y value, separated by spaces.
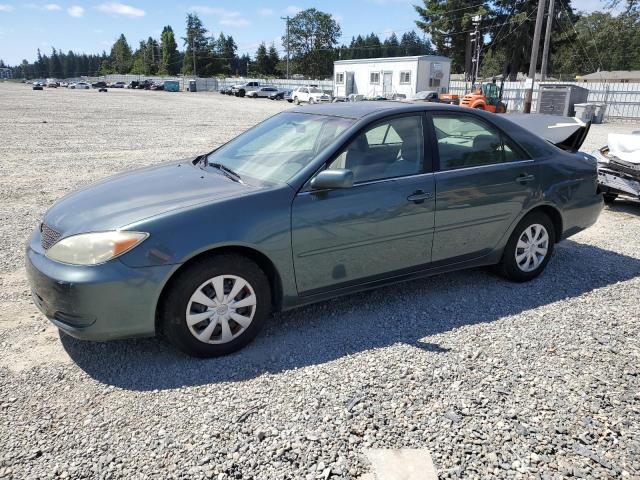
pixel 331 179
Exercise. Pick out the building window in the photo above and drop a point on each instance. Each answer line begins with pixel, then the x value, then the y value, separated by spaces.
pixel 405 78
pixel 340 77
pixel 374 78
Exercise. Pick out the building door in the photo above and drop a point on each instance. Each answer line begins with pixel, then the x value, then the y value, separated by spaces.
pixel 349 88
pixel 387 83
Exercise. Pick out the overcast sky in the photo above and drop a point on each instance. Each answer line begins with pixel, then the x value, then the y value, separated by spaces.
pixel 93 26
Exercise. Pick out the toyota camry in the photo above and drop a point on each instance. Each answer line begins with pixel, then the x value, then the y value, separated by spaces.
pixel 314 202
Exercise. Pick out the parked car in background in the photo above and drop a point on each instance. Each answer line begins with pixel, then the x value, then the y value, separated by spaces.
pixel 145 84
pixel 241 89
pixel 316 202
pixel 309 95
pixel 64 84
pixel 118 85
pixel 37 86
pixel 288 96
pixel 262 92
pixel 133 84
pixel 280 94
pixel 52 84
pixel 99 85
pixel 80 86
pixel 157 86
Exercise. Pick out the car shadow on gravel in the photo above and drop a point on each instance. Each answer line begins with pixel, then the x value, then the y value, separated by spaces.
pixel 625 205
pixel 407 313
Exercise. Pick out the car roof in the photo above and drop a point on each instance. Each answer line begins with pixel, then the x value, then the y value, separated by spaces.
pixel 364 108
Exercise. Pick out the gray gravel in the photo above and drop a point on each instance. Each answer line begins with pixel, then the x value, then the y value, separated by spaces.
pixel 540 380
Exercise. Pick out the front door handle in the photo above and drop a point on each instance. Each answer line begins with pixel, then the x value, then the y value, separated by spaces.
pixel 522 179
pixel 419 196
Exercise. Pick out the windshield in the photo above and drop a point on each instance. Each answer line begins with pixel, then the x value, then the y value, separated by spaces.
pixel 315 90
pixel 278 148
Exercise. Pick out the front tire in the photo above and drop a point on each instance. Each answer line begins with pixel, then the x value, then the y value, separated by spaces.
pixel 610 198
pixel 529 248
pixel 296 101
pixel 216 306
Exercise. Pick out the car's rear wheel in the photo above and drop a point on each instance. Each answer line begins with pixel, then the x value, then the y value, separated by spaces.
pixel 296 100
pixel 529 248
pixel 311 101
pixel 216 306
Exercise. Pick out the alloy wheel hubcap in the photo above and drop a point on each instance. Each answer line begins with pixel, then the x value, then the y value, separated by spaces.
pixel 221 309
pixel 532 247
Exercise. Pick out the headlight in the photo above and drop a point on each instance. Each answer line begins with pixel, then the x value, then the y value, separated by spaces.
pixel 94 248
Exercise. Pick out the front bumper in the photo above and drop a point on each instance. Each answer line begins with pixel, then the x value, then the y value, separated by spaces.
pixel 102 302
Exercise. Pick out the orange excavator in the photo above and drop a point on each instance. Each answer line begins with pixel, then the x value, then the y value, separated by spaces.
pixel 487 97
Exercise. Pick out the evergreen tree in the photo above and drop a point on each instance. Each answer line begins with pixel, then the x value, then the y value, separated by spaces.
pixel 372 46
pixel 274 60
pixel 120 57
pixel 262 64
pixel 55 65
pixel 170 56
pixel 197 53
pixel 391 46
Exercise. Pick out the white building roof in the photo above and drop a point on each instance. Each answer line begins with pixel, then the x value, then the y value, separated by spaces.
pixel 612 75
pixel 434 58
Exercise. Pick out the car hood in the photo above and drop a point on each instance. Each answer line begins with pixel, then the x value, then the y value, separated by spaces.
pixel 133 196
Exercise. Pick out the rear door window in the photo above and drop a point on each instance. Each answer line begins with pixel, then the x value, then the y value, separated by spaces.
pixel 465 141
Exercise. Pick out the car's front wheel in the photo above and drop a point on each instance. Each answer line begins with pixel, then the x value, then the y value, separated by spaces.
pixel 216 306
pixel 296 100
pixel 529 248
pixel 610 198
pixel 311 100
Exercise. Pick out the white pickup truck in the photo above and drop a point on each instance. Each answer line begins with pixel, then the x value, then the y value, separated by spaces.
pixel 240 89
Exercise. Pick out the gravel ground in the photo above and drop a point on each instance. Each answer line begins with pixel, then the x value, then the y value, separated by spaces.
pixel 495 379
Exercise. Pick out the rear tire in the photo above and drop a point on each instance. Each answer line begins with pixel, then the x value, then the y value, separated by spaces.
pixel 296 101
pixel 222 324
pixel 529 248
pixel 610 198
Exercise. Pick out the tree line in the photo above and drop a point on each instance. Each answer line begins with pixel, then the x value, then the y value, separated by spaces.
pixel 581 43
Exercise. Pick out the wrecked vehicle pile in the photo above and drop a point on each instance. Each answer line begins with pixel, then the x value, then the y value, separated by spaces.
pixel 619 166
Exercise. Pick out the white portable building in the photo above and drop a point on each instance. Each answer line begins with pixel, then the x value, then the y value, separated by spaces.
pixel 394 75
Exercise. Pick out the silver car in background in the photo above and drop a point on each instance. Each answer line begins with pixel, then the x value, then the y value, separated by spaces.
pixel 262 92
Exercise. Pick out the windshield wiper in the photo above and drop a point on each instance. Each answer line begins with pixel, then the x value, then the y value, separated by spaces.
pixel 224 169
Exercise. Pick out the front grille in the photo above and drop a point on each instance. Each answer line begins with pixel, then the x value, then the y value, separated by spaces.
pixel 48 236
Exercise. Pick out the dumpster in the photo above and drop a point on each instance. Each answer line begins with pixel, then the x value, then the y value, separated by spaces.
pixel 585 111
pixel 192 86
pixel 172 86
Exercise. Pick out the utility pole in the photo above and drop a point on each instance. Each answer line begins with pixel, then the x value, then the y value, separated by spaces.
pixel 287 19
pixel 193 55
pixel 475 58
pixel 547 41
pixel 528 96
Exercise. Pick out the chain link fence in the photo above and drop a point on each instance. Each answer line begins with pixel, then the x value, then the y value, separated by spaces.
pixel 621 100
pixel 213 84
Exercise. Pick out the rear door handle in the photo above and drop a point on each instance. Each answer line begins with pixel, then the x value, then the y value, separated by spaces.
pixel 525 178
pixel 419 196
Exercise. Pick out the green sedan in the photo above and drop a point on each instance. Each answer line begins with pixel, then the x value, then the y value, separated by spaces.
pixel 315 202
